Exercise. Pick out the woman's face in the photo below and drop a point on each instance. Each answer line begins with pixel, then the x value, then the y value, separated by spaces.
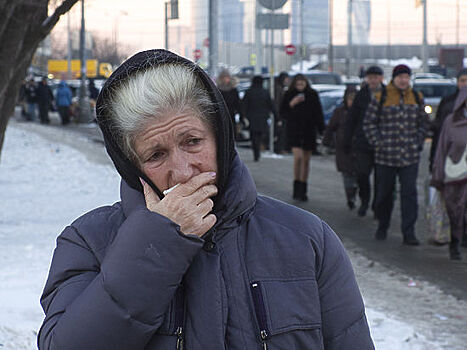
pixel 175 148
pixel 300 85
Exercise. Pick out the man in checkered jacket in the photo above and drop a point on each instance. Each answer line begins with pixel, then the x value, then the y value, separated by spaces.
pixel 395 124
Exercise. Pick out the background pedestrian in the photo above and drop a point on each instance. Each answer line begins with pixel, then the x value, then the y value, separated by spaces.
pixel 45 98
pixel 302 109
pixel 281 84
pixel 355 139
pixel 395 125
pixel 345 161
pixel 30 94
pixel 446 107
pixel 227 86
pixel 63 100
pixel 450 171
pixel 257 107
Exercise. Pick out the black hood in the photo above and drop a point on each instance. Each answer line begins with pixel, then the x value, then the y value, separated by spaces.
pixel 139 62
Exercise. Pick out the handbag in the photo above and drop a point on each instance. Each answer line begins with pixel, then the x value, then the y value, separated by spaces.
pixel 439 230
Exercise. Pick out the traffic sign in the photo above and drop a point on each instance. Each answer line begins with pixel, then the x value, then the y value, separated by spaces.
pixel 290 49
pixel 197 53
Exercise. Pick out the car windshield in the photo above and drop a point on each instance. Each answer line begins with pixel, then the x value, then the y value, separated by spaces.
pixel 323 79
pixel 435 90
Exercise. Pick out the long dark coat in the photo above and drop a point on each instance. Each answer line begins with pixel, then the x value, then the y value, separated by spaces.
pixel 257 105
pixel 266 275
pixel 345 161
pixel 304 121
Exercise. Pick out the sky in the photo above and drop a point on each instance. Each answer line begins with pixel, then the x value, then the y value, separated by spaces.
pixel 67 183
pixel 140 23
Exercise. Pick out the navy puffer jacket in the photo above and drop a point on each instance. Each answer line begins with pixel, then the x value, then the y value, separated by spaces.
pixel 267 275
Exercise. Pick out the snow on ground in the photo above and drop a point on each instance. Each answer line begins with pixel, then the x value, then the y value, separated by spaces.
pixel 45 185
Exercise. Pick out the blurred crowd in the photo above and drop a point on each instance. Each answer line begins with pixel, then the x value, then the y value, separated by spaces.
pixel 377 134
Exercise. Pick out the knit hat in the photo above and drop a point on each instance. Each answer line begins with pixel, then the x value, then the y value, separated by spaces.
pixel 400 69
pixel 374 70
pixel 463 71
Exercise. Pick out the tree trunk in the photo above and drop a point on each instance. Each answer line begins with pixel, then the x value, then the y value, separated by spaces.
pixel 23 25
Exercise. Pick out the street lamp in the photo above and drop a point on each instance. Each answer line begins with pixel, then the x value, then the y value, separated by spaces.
pixel 84 108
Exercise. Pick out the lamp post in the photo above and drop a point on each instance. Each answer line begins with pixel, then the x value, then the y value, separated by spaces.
pixel 84 108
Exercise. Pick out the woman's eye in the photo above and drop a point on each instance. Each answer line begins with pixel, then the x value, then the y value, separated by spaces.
pixel 157 155
pixel 194 141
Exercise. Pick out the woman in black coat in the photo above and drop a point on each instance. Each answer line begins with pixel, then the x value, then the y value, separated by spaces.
pixel 257 106
pixel 302 109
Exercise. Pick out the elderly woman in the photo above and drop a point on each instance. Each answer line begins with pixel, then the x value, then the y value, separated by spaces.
pixel 191 257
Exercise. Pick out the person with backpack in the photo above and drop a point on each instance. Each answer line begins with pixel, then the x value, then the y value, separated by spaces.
pixel 395 125
pixel 355 141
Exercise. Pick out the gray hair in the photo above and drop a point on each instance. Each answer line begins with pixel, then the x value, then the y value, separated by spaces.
pixel 155 92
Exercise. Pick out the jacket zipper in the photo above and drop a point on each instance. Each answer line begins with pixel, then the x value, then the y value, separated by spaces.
pixel 179 316
pixel 260 311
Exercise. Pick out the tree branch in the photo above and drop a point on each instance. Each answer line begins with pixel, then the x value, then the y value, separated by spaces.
pixel 52 20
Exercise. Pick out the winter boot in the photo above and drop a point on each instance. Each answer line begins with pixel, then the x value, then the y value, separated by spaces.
pixel 303 190
pixel 454 253
pixel 296 189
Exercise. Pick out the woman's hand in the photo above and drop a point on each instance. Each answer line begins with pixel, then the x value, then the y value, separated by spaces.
pixel 297 99
pixel 188 205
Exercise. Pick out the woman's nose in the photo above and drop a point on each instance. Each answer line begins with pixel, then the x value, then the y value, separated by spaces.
pixel 181 169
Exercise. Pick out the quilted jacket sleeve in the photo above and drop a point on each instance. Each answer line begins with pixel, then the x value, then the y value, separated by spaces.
pixel 371 124
pixel 119 302
pixel 344 322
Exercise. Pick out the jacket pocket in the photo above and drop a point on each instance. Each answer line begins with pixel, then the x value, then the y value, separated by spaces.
pixel 288 314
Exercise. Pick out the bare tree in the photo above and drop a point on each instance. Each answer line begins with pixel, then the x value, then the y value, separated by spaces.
pixel 23 25
pixel 107 50
pixel 59 46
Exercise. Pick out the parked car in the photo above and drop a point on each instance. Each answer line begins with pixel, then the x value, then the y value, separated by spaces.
pixel 417 76
pixel 433 91
pixel 330 100
pixel 318 77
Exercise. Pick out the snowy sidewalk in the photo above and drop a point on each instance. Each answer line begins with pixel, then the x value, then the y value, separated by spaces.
pixel 46 184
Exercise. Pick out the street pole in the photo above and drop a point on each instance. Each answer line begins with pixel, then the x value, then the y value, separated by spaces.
pixel 84 109
pixel 331 49
pixel 213 38
pixel 425 44
pixel 458 10
pixel 388 49
pixel 271 83
pixel 166 25
pixel 258 41
pixel 349 37
pixel 68 54
pixel 301 37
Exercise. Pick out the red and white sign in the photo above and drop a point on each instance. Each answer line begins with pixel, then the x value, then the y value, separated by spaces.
pixel 290 49
pixel 197 53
